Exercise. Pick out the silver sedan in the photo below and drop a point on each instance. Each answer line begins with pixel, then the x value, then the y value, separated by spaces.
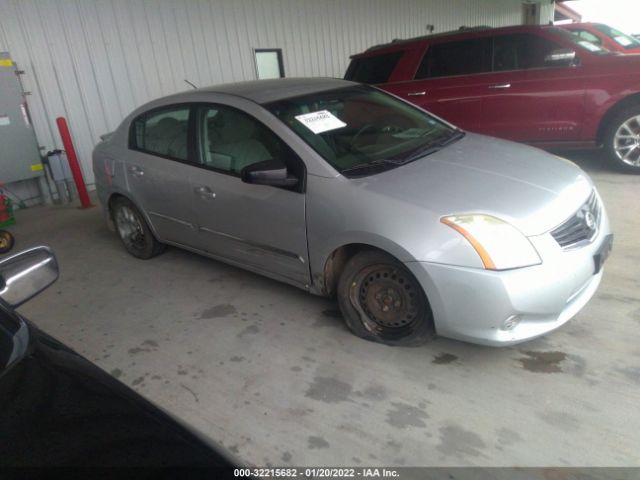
pixel 340 189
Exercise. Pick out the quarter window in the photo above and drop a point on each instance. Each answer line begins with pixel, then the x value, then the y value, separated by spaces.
pixel 373 70
pixel 163 133
pixel 465 57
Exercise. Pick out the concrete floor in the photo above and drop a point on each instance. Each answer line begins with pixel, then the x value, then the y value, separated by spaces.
pixel 272 373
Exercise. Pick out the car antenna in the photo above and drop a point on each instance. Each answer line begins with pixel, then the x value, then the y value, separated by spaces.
pixel 190 83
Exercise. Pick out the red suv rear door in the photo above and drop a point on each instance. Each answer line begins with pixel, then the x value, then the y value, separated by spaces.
pixel 449 81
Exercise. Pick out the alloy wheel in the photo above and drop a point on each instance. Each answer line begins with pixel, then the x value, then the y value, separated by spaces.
pixel 129 227
pixel 626 141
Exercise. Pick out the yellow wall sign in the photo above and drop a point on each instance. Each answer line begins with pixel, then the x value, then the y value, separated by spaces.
pixel 37 167
pixel 6 62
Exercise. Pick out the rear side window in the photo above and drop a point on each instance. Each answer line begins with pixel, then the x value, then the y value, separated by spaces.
pixel 465 57
pixel 162 132
pixel 373 70
pixel 521 51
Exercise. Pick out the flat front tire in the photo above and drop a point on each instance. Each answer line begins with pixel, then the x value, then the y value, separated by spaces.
pixel 135 234
pixel 622 139
pixel 381 301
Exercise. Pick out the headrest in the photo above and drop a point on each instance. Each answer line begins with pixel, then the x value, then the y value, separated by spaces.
pixel 235 127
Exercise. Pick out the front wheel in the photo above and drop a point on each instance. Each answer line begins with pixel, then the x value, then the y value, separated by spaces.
pixel 381 301
pixel 622 139
pixel 133 230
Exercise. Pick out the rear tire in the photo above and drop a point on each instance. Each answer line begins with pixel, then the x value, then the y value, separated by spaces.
pixel 132 228
pixel 622 139
pixel 381 301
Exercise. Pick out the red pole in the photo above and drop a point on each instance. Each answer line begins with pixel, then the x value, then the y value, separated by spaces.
pixel 73 162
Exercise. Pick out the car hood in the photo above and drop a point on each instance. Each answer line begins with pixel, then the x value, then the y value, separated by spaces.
pixel 531 189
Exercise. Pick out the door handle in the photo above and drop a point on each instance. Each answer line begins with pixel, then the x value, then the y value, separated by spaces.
pixel 205 192
pixel 136 171
pixel 416 94
pixel 500 86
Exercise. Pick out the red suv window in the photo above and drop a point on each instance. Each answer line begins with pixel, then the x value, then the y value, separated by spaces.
pixel 520 51
pixel 456 58
pixel 372 70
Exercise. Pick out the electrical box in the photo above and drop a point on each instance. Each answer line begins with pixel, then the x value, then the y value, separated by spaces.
pixel 19 152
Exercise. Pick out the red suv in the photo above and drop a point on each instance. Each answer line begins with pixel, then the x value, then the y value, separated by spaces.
pixel 605 36
pixel 535 84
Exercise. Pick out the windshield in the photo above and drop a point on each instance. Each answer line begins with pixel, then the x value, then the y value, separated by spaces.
pixel 360 129
pixel 617 36
pixel 576 39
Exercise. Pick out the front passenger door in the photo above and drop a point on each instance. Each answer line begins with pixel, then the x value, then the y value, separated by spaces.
pixel 259 227
pixel 528 97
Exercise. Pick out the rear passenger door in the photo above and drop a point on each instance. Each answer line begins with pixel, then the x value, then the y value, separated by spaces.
pixel 158 170
pixel 450 81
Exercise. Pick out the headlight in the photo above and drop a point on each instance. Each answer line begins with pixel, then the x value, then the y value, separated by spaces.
pixel 500 245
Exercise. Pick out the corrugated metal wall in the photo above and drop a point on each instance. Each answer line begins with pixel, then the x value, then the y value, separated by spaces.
pixel 93 61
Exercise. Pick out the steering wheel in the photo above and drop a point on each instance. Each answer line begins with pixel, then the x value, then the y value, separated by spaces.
pixel 354 140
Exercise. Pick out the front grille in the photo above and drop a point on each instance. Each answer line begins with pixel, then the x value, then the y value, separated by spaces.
pixel 582 227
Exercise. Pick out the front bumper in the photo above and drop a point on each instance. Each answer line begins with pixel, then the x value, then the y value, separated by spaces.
pixel 472 304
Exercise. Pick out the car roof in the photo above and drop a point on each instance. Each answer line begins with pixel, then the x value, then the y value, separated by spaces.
pixel 461 33
pixel 579 24
pixel 266 91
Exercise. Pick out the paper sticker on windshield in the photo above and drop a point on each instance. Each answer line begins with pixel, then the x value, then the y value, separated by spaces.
pixel 320 121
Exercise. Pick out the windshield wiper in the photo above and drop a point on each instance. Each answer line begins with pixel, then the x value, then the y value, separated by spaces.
pixel 420 152
pixel 432 147
pixel 371 165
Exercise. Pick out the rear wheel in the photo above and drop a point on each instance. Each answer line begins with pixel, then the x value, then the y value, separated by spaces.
pixel 134 231
pixel 622 139
pixel 381 301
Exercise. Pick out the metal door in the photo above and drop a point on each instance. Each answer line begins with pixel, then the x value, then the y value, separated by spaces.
pixel 19 156
pixel 260 227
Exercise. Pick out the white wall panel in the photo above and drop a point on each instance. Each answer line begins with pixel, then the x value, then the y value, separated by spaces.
pixel 93 61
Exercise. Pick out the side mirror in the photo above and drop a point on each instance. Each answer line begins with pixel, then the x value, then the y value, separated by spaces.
pixel 560 56
pixel 268 172
pixel 26 274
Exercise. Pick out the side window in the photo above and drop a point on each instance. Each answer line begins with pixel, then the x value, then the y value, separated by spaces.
pixel 588 36
pixel 465 57
pixel 231 140
pixel 162 132
pixel 373 70
pixel 522 51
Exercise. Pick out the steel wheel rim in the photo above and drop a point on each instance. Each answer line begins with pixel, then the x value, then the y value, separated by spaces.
pixel 626 142
pixel 130 228
pixel 389 301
